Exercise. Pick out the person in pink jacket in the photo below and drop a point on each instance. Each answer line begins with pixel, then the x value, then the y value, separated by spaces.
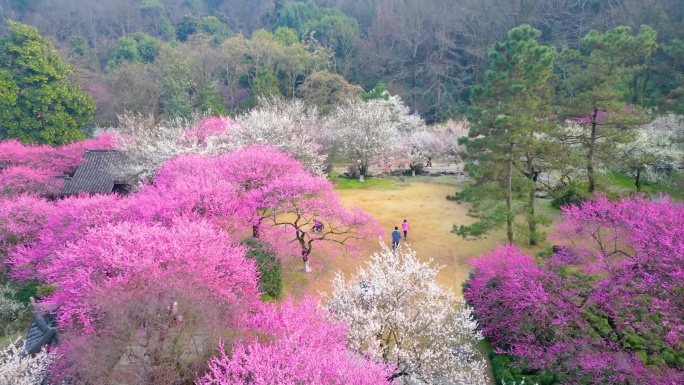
pixel 405 226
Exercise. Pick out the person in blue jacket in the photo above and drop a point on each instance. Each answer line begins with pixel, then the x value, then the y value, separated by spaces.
pixel 396 237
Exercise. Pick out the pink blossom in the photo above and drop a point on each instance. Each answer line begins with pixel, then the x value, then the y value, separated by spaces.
pixel 614 290
pixel 142 257
pixel 15 180
pixel 293 345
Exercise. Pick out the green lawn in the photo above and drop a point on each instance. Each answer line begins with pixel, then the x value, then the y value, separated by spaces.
pixel 342 183
pixel 623 185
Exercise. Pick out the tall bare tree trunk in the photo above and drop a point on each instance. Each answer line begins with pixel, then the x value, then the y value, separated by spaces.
pixel 509 194
pixel 590 154
pixel 531 221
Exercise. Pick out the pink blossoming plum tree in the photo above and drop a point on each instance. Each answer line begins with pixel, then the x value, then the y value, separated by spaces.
pixel 605 307
pixel 341 226
pixel 155 297
pixel 34 168
pixel 293 345
pixel 67 221
pixel 263 188
pixel 21 220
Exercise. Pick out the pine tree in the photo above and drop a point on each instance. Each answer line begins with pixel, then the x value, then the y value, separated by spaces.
pixel 507 115
pixel 595 90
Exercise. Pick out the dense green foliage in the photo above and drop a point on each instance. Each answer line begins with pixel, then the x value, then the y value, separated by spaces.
pixel 216 26
pixel 429 52
pixel 38 102
pixel 139 47
pixel 269 267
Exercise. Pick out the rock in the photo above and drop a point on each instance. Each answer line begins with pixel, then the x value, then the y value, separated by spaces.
pixel 542 195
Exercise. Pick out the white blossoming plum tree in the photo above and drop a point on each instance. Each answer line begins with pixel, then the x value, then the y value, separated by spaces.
pixel 395 311
pixel 289 125
pixel 655 151
pixel 17 370
pixel 369 132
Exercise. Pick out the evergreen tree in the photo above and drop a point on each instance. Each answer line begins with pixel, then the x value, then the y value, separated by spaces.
pixel 595 92
pixel 507 115
pixel 675 98
pixel 38 102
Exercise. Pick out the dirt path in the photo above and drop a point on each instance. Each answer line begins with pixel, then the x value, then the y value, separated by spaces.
pixel 431 217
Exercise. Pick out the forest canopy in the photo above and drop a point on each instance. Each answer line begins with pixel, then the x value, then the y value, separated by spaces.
pixel 218 56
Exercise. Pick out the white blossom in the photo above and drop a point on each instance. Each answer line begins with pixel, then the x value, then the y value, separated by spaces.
pixel 447 135
pixel 148 145
pixel 395 311
pixel 10 309
pixel 416 147
pixel 289 125
pixel 369 133
pixel 655 150
pixel 29 370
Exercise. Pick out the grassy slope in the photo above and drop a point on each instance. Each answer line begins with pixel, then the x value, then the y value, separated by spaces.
pixel 624 185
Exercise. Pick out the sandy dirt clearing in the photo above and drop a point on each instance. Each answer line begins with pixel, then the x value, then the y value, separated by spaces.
pixel 431 217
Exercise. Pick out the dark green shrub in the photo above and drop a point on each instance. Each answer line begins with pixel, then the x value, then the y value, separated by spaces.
pixel 26 290
pixel 45 290
pixel 269 266
pixel 568 197
pixel 506 370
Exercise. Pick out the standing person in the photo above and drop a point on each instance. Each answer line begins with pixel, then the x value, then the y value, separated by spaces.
pixel 396 237
pixel 406 227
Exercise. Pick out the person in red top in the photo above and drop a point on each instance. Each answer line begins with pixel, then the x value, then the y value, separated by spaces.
pixel 405 226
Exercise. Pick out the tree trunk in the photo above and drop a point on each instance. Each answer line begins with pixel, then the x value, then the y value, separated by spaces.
pixel 509 197
pixel 413 172
pixel 531 221
pixel 637 181
pixel 255 229
pixel 306 250
pixel 362 172
pixel 590 154
pixel 306 268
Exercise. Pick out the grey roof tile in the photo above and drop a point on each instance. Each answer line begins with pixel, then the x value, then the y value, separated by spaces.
pixel 42 331
pixel 97 174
